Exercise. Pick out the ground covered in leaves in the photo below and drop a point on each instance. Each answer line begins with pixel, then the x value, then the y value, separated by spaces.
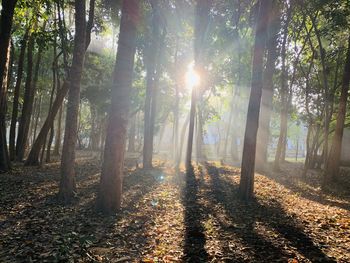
pixel 170 217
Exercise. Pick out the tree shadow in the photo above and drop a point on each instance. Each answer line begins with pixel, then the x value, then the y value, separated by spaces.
pixel 254 222
pixel 194 247
pixel 310 187
pixel 42 230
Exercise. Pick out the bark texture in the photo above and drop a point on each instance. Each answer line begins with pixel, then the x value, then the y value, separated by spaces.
pixel 110 192
pixel 333 163
pixel 15 105
pixel 150 100
pixel 267 92
pixel 67 183
pixel 246 186
pixel 28 100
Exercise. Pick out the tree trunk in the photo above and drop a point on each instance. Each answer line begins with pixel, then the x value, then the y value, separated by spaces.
pixel 37 117
pixel 33 157
pixel 94 134
pixel 268 90
pixel 7 12
pixel 333 163
pixel 182 141
pixel 28 99
pixel 191 130
pixel 14 115
pixel 67 183
pixel 246 186
pixel 175 147
pixel 49 143
pixel 201 24
pixel 284 96
pixel 153 49
pixel 56 150
pixel 199 135
pixel 8 7
pixel 55 85
pixel 237 50
pixel 327 116
pixel 110 192
pixel 132 130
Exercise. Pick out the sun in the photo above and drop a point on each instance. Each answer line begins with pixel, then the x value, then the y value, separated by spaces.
pixel 192 78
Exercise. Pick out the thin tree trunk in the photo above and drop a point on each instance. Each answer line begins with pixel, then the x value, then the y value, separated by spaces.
pixel 49 143
pixel 15 105
pixel 132 129
pixel 200 28
pixel 246 186
pixel 24 122
pixel 284 98
pixel 235 88
pixel 182 140
pixel 33 157
pixel 327 116
pixel 333 163
pixel 67 183
pixel 175 147
pixel 56 150
pixel 307 157
pixel 150 87
pixel 110 192
pixel 54 87
pixel 268 90
pixel 38 112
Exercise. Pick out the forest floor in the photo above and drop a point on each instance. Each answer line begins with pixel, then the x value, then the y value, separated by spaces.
pixel 169 217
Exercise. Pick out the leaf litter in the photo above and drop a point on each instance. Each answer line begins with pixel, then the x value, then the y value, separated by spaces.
pixel 168 217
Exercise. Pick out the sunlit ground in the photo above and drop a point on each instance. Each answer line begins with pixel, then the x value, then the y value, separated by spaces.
pixel 168 218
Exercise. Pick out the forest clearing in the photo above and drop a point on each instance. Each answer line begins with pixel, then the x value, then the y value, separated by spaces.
pixel 174 131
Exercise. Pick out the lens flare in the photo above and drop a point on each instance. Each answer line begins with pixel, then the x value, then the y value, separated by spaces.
pixel 192 78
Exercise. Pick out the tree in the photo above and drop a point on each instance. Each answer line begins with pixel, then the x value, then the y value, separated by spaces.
pixel 282 139
pixel 28 99
pixel 16 95
pixel 39 143
pixel 201 24
pixel 7 12
pixel 67 183
pixel 152 74
pixel 246 186
pixel 333 162
pixel 110 192
pixel 268 88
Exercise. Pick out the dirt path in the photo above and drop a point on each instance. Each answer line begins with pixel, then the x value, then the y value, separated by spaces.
pixel 169 217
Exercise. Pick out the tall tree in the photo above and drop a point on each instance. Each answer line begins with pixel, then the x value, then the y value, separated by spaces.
pixel 246 186
pixel 200 28
pixel 33 157
pixel 268 88
pixel 282 139
pixel 16 94
pixel 67 184
pixel 151 67
pixel 110 192
pixel 7 12
pixel 29 92
pixel 333 162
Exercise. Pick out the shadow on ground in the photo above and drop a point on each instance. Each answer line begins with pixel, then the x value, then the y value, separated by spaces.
pixel 310 186
pixel 194 250
pixel 264 229
pixel 34 227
